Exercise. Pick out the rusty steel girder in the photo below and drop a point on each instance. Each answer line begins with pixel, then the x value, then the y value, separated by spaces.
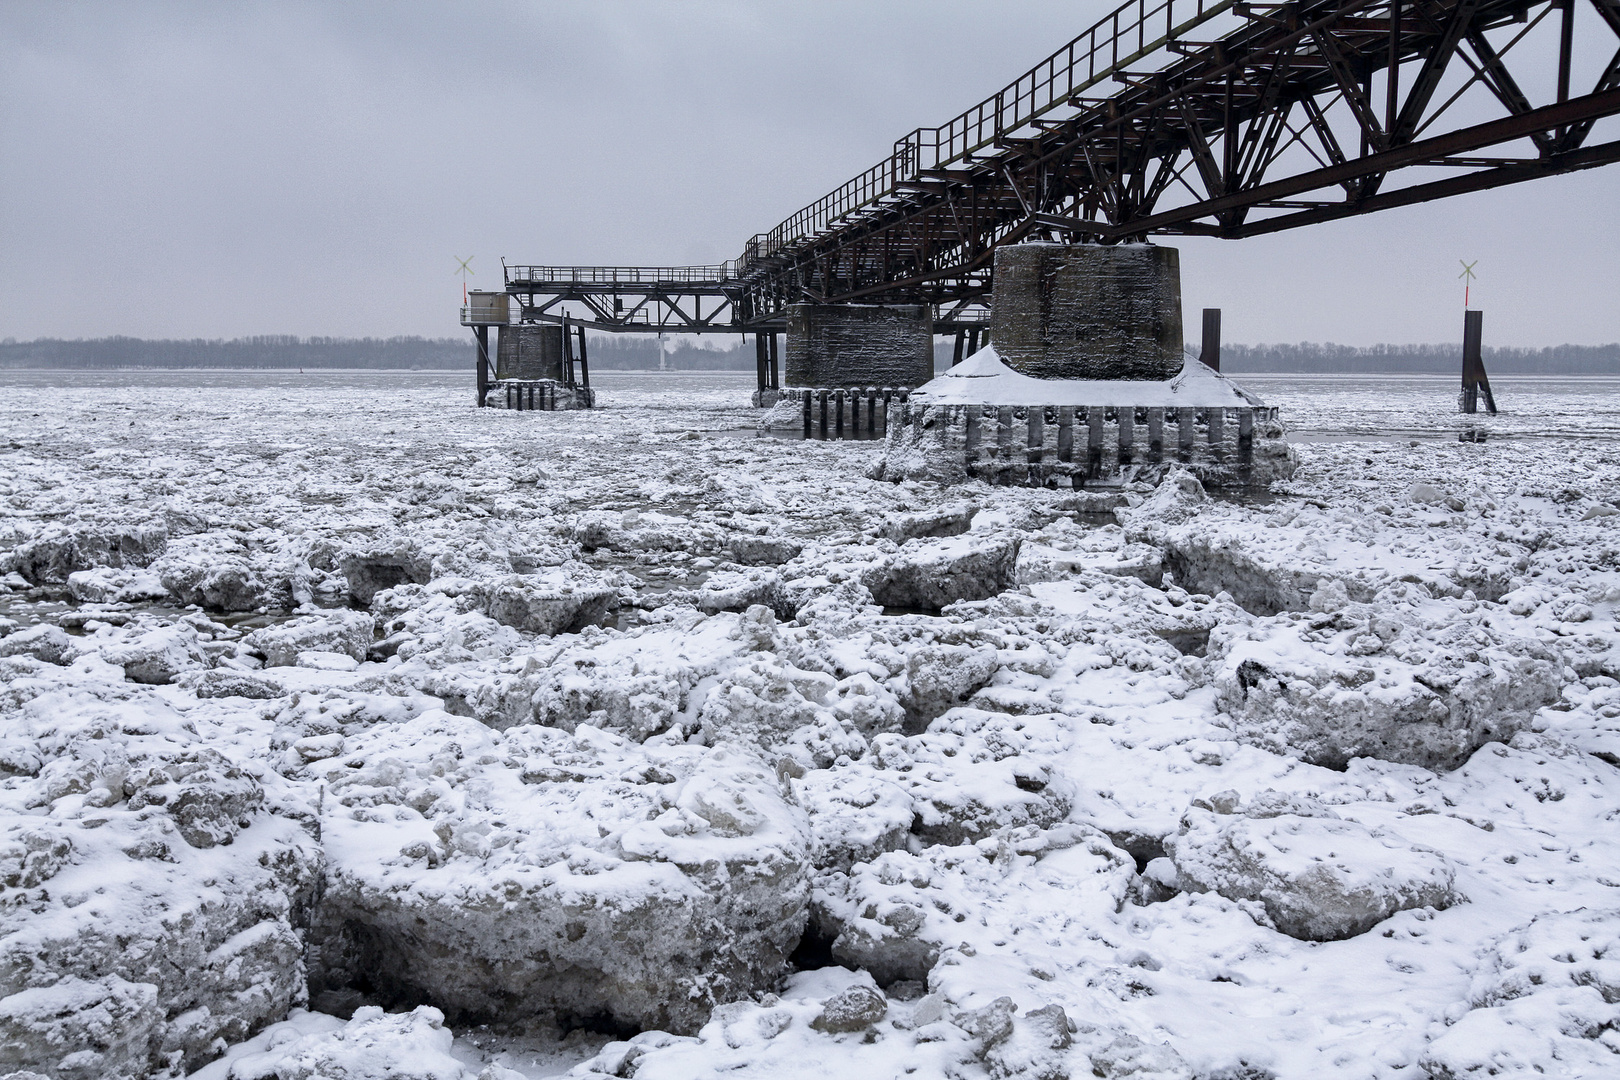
pixel 1179 117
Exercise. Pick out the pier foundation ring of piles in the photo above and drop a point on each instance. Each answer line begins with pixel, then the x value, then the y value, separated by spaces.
pixel 1083 446
pixel 545 395
pixel 837 412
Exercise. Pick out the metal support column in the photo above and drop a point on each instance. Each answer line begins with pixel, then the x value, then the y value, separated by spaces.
pixel 1211 354
pixel 481 333
pixel 568 353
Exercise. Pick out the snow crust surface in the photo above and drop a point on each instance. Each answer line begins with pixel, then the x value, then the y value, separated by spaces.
pixel 985 379
pixel 349 733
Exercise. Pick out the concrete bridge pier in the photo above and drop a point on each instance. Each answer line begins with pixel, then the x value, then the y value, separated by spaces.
pixel 857 345
pixel 529 351
pixel 535 368
pixel 1088 311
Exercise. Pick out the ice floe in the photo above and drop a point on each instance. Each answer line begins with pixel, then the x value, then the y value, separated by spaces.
pixel 496 744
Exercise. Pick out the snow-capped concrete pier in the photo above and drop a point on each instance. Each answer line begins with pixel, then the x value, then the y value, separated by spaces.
pixel 1086 385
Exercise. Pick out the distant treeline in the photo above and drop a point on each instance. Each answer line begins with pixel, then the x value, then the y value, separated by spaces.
pixel 1311 358
pixel 267 351
pixel 639 352
pixel 629 352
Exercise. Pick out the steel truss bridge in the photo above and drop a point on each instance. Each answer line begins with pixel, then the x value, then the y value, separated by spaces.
pixel 1168 117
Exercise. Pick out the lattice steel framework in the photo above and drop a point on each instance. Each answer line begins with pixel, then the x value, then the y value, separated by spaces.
pixel 1169 117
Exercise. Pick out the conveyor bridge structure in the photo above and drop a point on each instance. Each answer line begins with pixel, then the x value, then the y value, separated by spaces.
pixel 1167 117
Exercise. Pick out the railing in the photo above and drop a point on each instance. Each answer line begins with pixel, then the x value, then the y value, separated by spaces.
pixel 480 315
pixel 621 275
pixel 1134 30
pixel 1131 32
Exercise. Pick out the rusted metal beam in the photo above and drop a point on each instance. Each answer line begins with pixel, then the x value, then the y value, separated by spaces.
pixel 1595 106
pixel 1047 157
pixel 1574 161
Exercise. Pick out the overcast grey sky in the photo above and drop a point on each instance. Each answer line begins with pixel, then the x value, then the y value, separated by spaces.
pixel 222 169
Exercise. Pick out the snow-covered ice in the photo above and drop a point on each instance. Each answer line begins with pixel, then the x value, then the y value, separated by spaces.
pixel 349 731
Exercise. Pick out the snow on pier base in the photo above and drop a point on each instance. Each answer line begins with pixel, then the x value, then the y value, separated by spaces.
pixel 984 421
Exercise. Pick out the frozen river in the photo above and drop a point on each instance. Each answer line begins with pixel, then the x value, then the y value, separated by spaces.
pixel 1314 406
pixel 349 730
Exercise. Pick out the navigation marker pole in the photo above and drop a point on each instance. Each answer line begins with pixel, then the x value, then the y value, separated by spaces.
pixel 480 332
pixel 1474 380
pixel 1475 383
